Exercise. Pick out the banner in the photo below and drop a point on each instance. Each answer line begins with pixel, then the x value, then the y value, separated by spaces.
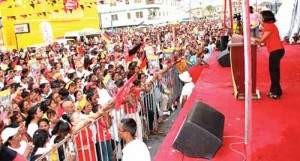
pixel 47 32
pixel 5 99
pixel 33 66
pixel 65 62
pixel 124 91
pixel 153 63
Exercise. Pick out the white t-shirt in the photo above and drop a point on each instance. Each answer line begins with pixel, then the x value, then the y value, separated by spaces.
pixel 136 150
pixel 21 149
pixel 254 19
pixel 32 127
pixel 187 90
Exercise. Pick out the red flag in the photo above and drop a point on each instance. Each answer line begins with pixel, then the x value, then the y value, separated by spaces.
pixel 132 52
pixel 106 37
pixel 124 91
pixel 143 64
pixel 14 63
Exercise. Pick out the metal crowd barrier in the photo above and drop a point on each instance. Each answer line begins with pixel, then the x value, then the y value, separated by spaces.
pixel 87 144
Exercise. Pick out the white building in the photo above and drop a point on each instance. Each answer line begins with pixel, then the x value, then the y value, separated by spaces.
pixel 121 13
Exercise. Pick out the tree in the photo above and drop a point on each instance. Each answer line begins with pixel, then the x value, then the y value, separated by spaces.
pixel 210 9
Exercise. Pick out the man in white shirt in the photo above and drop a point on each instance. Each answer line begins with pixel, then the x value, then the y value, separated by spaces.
pixel 254 22
pixel 135 149
pixel 187 87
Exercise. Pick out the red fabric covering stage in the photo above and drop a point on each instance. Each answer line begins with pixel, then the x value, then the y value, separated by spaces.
pixel 275 132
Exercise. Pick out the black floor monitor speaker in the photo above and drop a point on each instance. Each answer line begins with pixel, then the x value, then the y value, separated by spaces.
pixel 224 42
pixel 201 134
pixel 224 58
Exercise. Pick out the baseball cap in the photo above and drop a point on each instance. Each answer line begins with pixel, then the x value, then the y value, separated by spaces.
pixel 8 132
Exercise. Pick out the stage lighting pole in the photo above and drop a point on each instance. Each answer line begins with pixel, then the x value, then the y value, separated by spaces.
pixel 248 79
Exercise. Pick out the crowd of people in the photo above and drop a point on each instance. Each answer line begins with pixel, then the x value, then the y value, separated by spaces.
pixel 52 93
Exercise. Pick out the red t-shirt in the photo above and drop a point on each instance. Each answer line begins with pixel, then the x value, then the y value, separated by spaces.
pixel 196 71
pixel 273 42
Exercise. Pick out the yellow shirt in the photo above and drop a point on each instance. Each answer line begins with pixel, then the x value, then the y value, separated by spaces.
pixel 181 66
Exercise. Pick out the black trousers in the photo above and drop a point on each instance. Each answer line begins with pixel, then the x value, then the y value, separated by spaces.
pixel 274 69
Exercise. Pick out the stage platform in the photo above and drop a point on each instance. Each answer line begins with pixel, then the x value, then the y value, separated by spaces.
pixel 275 123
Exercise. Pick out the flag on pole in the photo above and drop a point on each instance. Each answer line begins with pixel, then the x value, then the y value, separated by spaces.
pixel 131 54
pixel 105 36
pixel 124 91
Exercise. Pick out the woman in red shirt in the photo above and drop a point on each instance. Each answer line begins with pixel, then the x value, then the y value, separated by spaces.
pixel 270 36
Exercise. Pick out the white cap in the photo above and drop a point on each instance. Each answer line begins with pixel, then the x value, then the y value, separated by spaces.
pixel 185 77
pixel 8 132
pixel 71 71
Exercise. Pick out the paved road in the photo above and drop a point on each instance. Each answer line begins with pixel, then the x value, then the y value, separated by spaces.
pixel 155 141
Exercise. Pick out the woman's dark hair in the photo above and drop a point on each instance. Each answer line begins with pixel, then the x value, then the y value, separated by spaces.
pixel 139 76
pixel 37 91
pixel 21 105
pixel 76 93
pixel 45 104
pixel 17 86
pixel 43 85
pixel 89 96
pixel 137 82
pixel 63 92
pixel 71 75
pixel 14 116
pixel 66 118
pixel 43 120
pixel 25 94
pixel 40 138
pixel 51 112
pixel 268 16
pixel 31 113
pixel 113 75
pixel 64 128
pixel 119 83
pixel 77 79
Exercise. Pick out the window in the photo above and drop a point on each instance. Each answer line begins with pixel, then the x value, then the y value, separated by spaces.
pixel 114 17
pixel 127 1
pixel 139 14
pixel 137 1
pixel 128 16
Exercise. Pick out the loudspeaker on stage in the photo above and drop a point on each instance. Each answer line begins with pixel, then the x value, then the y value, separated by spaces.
pixel 201 134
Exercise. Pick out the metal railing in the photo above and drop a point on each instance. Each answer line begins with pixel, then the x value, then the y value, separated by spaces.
pixel 96 141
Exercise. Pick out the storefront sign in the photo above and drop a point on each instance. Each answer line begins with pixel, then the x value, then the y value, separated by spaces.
pixel 21 28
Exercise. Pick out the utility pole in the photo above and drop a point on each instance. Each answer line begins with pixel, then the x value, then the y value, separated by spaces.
pixel 190 9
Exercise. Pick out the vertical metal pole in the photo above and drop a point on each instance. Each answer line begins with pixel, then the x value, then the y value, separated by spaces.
pixel 88 142
pixel 99 139
pixel 112 27
pixel 225 10
pixel 231 19
pixel 82 146
pixel 190 9
pixel 256 5
pixel 248 79
pixel 17 46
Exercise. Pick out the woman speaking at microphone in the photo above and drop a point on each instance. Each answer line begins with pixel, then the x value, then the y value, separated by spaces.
pixel 270 36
